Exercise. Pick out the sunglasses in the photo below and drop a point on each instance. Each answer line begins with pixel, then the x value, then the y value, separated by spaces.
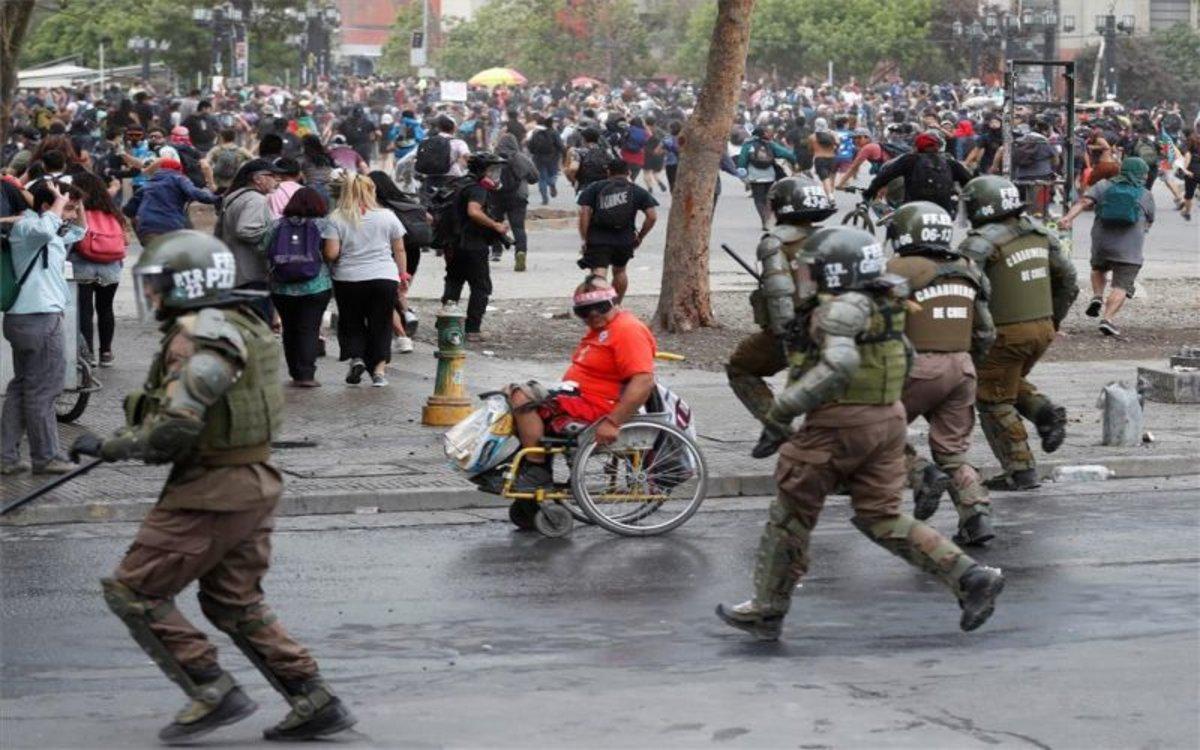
pixel 585 311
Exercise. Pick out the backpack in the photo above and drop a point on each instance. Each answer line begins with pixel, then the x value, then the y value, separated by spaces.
pixel 295 251
pixel 614 209
pixel 929 180
pixel 10 284
pixel 191 168
pixel 629 144
pixel 226 162
pixel 433 156
pixel 1147 151
pixel 104 241
pixel 761 155
pixel 846 149
pixel 1121 205
pixel 593 166
pixel 1025 152
pixel 541 143
pixel 418 232
pixel 449 216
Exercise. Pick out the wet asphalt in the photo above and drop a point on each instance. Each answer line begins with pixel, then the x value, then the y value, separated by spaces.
pixel 453 630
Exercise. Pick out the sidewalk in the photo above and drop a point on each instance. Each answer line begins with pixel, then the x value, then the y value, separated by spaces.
pixel 346 449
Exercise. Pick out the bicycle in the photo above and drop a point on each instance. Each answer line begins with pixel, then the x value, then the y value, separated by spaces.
pixel 71 403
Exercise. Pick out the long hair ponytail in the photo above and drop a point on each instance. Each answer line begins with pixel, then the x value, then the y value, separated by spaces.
pixel 356 197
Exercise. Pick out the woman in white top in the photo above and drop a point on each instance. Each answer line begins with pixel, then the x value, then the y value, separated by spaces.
pixel 365 246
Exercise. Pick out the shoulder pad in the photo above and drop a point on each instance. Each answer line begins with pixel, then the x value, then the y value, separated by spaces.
pixel 769 245
pixel 844 315
pixel 789 233
pixel 960 268
pixel 976 247
pixel 919 271
pixel 1000 232
pixel 212 329
pixel 1031 225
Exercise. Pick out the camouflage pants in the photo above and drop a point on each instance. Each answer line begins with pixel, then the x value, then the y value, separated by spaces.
pixel 1005 395
pixel 758 356
pixel 941 388
pixel 869 459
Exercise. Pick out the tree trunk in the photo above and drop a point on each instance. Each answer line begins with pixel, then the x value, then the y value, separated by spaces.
pixel 685 302
pixel 14 21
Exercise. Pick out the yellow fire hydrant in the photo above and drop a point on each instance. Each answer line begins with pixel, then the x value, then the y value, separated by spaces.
pixel 449 404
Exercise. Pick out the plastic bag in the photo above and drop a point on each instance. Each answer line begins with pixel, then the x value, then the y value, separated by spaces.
pixel 1124 421
pixel 484 439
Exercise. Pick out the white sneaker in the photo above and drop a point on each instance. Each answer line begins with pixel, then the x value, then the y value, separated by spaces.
pixel 402 344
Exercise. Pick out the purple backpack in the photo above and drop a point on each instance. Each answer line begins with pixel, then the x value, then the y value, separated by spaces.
pixel 295 253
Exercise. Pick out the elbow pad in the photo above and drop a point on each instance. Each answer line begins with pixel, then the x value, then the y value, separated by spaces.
pixel 823 383
pixel 201 382
pixel 777 285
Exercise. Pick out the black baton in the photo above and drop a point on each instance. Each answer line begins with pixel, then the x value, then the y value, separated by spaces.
pixel 57 482
pixel 749 269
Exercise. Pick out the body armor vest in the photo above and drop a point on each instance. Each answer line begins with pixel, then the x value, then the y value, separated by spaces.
pixel 1020 280
pixel 247 415
pixel 883 357
pixel 947 301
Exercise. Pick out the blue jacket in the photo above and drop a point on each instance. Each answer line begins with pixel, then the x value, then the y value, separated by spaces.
pixel 404 149
pixel 161 205
pixel 45 289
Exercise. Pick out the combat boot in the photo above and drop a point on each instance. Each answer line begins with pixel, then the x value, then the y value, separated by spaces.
pixel 216 702
pixel 316 712
pixel 975 531
pixel 980 586
pixel 519 262
pixel 928 493
pixel 1025 479
pixel 748 616
pixel 1051 426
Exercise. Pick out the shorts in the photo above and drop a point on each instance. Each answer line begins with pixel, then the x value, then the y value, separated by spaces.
pixel 602 256
pixel 567 415
pixel 1123 274
pixel 824 166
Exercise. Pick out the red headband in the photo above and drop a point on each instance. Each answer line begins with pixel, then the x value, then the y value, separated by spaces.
pixel 594 296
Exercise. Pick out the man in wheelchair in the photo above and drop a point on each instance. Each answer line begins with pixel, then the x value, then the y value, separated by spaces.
pixel 613 367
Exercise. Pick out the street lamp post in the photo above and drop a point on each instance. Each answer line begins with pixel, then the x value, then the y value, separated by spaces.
pixel 1047 21
pixel 147 47
pixel 1108 26
pixel 975 35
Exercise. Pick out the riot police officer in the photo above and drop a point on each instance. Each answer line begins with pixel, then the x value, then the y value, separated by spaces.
pixel 1033 285
pixel 210 406
pixel 798 203
pixel 951 329
pixel 847 373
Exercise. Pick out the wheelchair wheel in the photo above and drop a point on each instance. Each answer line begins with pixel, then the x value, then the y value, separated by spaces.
pixel 522 513
pixel 553 520
pixel 649 481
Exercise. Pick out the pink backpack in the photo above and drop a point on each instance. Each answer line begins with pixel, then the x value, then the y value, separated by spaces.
pixel 105 238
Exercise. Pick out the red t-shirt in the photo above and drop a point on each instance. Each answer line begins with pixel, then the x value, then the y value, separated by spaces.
pixel 873 153
pixel 608 357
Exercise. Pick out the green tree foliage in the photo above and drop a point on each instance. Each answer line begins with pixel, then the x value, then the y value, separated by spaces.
pixel 793 37
pixel 75 27
pixel 1164 65
pixel 544 39
pixel 395 56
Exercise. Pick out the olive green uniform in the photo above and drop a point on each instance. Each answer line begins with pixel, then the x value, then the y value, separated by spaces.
pixel 847 376
pixel 763 354
pixel 210 406
pixel 1033 285
pixel 950 326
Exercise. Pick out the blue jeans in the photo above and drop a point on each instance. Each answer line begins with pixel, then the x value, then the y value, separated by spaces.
pixel 547 177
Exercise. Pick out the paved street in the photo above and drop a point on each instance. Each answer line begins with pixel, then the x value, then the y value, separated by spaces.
pixel 423 619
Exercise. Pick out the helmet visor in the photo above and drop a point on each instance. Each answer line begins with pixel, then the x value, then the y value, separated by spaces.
pixel 151 284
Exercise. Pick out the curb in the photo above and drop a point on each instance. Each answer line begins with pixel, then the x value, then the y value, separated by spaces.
pixel 443 498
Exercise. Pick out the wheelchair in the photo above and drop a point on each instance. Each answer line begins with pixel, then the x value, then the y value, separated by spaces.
pixel 649 481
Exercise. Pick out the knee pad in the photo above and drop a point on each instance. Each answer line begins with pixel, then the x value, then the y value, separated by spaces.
pixel 919 544
pixel 138 612
pixel 782 558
